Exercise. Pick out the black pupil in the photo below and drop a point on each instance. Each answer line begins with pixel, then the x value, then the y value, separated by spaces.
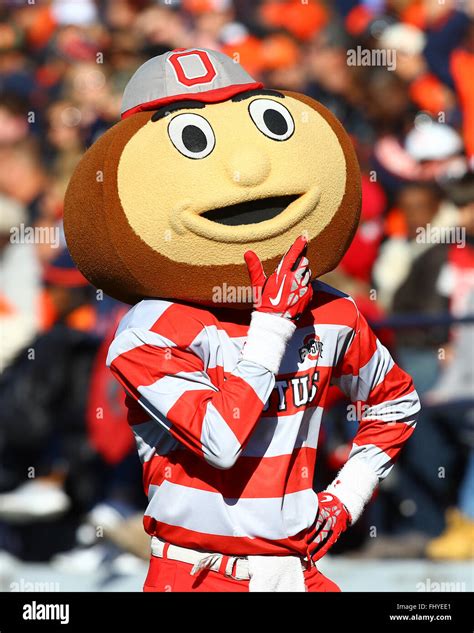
pixel 194 139
pixel 275 122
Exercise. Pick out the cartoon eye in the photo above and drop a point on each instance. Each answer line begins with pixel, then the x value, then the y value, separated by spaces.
pixel 192 135
pixel 272 118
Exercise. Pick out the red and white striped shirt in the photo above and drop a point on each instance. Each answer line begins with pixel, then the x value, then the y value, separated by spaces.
pixel 228 449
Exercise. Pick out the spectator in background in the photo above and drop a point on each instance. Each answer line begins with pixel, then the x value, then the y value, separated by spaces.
pixel 42 398
pixel 63 135
pixel 13 119
pixel 283 63
pixel 418 205
pixel 440 281
pixel 428 152
pixel 452 393
pixel 354 273
pixel 22 175
pixel 19 284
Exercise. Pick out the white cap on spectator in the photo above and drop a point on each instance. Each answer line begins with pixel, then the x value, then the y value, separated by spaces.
pixel 404 38
pixel 430 140
pixel 73 12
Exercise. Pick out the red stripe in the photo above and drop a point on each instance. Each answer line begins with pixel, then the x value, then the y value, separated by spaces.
pixel 396 384
pixel 236 393
pixel 217 375
pixel 251 477
pixel 388 436
pixel 135 413
pixel 230 545
pixel 329 309
pixel 145 364
pixel 234 330
pixel 360 352
pixel 182 323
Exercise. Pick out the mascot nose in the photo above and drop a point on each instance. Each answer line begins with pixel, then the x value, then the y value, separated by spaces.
pixel 248 166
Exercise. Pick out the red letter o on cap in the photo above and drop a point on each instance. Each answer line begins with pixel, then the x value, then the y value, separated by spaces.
pixel 192 67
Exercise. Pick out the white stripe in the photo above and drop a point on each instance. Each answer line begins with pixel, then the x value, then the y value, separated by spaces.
pixel 165 392
pixel 131 338
pixel 400 410
pixel 152 440
pixel 259 378
pixel 374 372
pixel 281 435
pixel 210 513
pixel 219 443
pixel 143 315
pixel 216 348
pixel 374 457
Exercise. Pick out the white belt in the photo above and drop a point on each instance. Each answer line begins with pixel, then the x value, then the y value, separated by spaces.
pixel 236 567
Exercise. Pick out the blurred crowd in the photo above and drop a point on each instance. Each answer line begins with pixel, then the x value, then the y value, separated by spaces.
pixel 66 493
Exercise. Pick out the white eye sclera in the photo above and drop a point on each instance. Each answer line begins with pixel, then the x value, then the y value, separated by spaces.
pixel 272 119
pixel 192 135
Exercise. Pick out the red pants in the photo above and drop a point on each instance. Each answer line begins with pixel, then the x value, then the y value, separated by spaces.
pixel 172 575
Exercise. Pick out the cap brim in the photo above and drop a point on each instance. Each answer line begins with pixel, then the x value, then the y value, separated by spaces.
pixel 209 96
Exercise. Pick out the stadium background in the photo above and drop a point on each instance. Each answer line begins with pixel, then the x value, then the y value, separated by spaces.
pixel 70 490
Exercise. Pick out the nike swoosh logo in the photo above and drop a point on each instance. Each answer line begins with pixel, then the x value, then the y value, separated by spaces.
pixel 277 299
pixel 326 498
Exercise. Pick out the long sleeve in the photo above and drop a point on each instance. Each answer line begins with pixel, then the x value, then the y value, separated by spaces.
pixel 173 384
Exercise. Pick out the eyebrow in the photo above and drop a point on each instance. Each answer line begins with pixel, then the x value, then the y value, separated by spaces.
pixel 257 92
pixel 192 103
pixel 173 107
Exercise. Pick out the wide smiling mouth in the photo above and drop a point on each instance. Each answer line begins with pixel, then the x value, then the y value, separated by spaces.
pixel 248 221
pixel 250 211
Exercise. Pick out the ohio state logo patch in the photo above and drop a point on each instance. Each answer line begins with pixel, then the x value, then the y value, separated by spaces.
pixel 192 67
pixel 312 348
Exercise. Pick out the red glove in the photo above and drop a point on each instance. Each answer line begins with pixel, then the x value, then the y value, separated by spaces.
pixel 288 291
pixel 331 521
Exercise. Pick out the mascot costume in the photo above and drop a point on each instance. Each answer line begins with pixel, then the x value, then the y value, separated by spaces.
pixel 206 208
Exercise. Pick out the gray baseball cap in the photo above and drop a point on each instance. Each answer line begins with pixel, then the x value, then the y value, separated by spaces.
pixel 194 73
